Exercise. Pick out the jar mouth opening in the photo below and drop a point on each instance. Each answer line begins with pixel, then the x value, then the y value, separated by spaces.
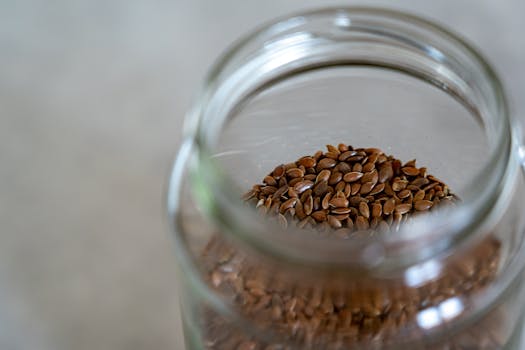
pixel 229 82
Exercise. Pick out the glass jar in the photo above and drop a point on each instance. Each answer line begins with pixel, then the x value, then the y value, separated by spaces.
pixel 369 78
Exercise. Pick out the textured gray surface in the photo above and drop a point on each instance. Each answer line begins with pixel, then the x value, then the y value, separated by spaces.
pixel 92 95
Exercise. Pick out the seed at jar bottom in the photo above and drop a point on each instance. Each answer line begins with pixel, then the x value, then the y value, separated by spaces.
pixel 345 193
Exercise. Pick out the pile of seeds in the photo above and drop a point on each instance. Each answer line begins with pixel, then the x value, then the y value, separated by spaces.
pixel 347 192
pixel 348 189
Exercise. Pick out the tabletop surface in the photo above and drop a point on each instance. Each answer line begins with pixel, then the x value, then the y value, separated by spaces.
pixel 92 97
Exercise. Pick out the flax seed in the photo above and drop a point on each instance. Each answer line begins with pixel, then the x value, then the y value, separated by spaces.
pixel 326 163
pixel 364 210
pixel 423 205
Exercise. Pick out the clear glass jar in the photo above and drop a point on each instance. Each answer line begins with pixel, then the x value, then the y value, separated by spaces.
pixel 369 78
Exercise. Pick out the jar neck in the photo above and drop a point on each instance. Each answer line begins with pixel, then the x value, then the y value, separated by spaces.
pixel 352 37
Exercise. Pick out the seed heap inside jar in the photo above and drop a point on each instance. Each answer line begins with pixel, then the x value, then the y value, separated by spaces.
pixel 348 192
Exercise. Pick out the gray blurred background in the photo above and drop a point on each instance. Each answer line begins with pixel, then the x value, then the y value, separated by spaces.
pixel 92 97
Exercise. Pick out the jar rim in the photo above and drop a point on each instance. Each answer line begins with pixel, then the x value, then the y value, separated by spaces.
pixel 401 250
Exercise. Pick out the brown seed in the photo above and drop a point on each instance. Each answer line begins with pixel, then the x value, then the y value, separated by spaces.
pixel 373 150
pixel 339 202
pixel 290 165
pixel 356 158
pixel 288 204
pixel 429 195
pixel 340 187
pixel 410 171
pixel 396 166
pixel 356 187
pixel 348 190
pixel 326 163
pixel 372 158
pixel 299 211
pixel 305 195
pixel 334 222
pixel 355 200
pixel 377 189
pixel 268 202
pixel 404 193
pixel 371 176
pixel 310 177
pixel 364 210
pixel 433 178
pixel 430 186
pixel 320 188
pixel 403 208
pixel 279 193
pixel 352 176
pixel 385 172
pixel 345 155
pixel 292 192
pixel 332 148
pixel 412 188
pixel 302 186
pixel 388 189
pixel 319 215
pixel 419 195
pixel 368 167
pixel 366 187
pixel 278 171
pixel 268 190
pixel 317 203
pixel 335 178
pixel 342 147
pixel 399 185
pixel 349 223
pixel 377 210
pixel 294 181
pixel 361 223
pixel 307 162
pixel 332 155
pixel 357 168
pixel 269 180
pixel 323 175
pixel 308 205
pixel 340 211
pixel 423 205
pixel 389 206
pixel 326 200
pixel 294 173
pixel 341 217
pixel 343 168
pixel 420 181
pixel 381 159
pixel 339 194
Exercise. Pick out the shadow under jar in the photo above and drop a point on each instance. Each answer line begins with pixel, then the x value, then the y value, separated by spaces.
pixel 449 279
